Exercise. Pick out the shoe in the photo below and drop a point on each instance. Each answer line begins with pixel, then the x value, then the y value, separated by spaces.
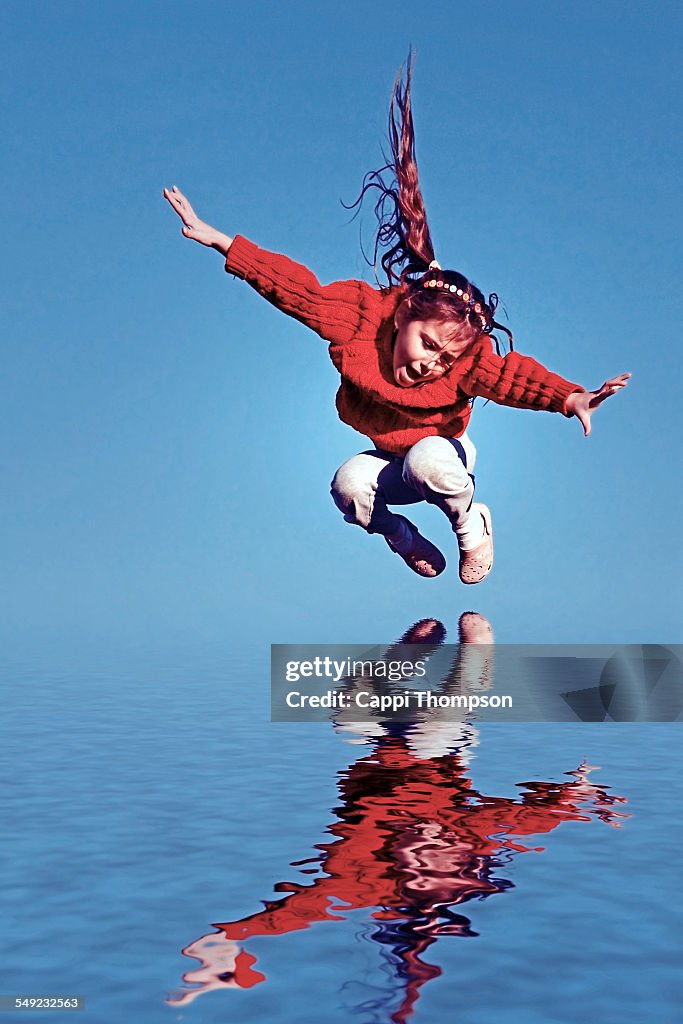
pixel 424 558
pixel 475 565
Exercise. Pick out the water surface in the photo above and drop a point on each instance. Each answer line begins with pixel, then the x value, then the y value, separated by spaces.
pixel 150 807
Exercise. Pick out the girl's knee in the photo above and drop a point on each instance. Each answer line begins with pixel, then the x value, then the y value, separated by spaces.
pixel 353 488
pixel 350 480
pixel 435 462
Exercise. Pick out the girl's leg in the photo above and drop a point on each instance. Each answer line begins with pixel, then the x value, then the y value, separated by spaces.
pixel 439 469
pixel 363 486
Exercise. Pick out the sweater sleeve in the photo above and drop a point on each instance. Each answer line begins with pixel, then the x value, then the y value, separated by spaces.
pixel 337 312
pixel 515 380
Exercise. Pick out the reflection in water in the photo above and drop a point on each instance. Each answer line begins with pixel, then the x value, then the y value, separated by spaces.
pixel 413 840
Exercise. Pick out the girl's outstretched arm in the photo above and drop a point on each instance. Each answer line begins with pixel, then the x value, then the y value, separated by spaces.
pixel 515 380
pixel 583 405
pixel 195 228
pixel 335 311
pixel 523 383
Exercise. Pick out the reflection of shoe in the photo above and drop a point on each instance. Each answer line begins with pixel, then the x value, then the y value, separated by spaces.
pixel 422 556
pixel 473 628
pixel 426 631
pixel 475 565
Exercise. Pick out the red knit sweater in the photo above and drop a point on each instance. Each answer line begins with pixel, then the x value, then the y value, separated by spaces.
pixel 358 322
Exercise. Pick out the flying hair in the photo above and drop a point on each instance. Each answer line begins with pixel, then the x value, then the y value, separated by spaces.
pixel 403 237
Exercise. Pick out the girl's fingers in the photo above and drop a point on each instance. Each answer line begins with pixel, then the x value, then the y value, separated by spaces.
pixel 602 394
pixel 610 387
pixel 172 198
pixel 620 380
pixel 179 204
pixel 584 418
pixel 182 200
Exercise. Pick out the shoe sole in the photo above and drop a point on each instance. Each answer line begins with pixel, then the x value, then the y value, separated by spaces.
pixel 432 559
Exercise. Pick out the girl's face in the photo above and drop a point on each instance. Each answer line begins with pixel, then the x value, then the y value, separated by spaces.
pixel 423 350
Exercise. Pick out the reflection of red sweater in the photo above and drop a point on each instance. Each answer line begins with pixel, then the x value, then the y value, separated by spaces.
pixel 413 837
pixel 358 321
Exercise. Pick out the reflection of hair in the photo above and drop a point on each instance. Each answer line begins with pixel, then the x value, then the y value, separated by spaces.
pixel 403 234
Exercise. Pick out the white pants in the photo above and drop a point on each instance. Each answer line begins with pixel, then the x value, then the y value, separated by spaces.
pixel 436 469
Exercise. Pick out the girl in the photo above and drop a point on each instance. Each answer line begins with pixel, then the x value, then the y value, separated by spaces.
pixel 412 355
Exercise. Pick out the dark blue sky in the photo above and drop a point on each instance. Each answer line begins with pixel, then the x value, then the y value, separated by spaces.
pixel 169 437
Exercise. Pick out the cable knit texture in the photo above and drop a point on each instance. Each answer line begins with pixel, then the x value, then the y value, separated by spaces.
pixel 357 321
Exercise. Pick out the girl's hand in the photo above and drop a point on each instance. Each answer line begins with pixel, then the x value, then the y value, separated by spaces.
pixel 583 404
pixel 193 227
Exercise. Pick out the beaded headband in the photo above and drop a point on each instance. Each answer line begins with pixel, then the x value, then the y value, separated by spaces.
pixel 432 281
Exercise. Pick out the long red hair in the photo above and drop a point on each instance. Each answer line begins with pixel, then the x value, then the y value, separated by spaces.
pixel 403 237
pixel 403 233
